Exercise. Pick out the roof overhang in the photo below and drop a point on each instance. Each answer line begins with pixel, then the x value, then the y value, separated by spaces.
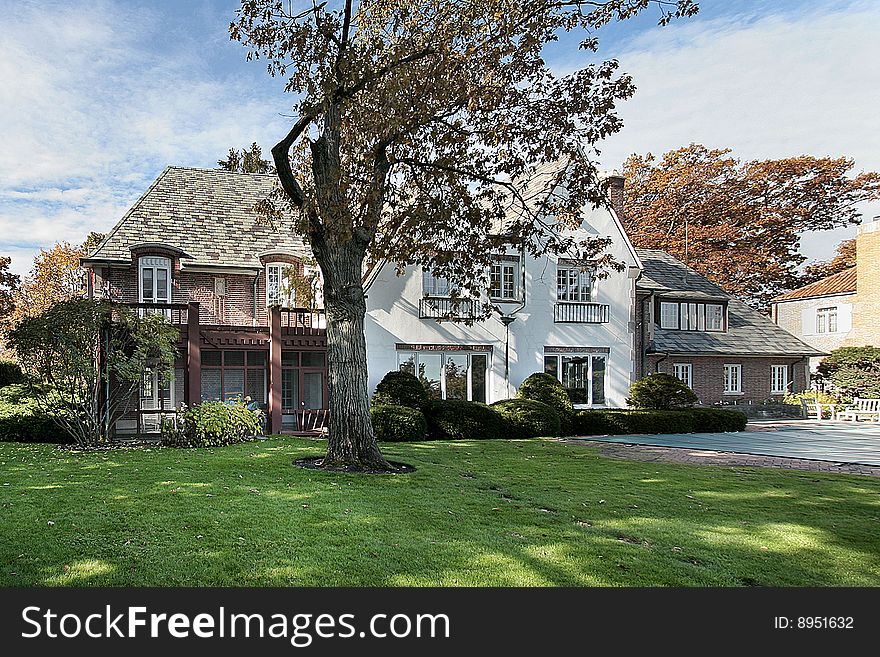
pixel 814 296
pixel 218 268
pixel 146 246
pixel 692 295
pixel 89 263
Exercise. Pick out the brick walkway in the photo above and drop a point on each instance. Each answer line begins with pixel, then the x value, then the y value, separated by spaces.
pixel 709 457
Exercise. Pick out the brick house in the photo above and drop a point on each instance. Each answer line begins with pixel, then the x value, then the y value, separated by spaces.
pixel 726 351
pixel 193 248
pixel 842 310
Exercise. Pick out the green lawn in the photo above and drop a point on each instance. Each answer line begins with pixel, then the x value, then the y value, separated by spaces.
pixel 534 513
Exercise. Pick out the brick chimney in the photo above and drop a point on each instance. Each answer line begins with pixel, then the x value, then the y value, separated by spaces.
pixel 614 189
pixel 866 306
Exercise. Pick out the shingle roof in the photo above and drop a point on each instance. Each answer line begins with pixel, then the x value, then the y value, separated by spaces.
pixel 749 332
pixel 207 213
pixel 843 282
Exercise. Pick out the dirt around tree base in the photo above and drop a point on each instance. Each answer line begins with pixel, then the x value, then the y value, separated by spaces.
pixel 317 463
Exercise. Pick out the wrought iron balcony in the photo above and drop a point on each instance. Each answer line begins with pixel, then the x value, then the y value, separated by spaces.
pixel 581 313
pixel 448 309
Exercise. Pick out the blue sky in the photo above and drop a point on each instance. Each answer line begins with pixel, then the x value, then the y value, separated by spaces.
pixel 97 97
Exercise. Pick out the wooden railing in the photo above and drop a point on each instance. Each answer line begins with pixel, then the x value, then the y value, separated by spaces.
pixel 177 313
pixel 581 313
pixel 303 318
pixel 445 308
pixel 310 421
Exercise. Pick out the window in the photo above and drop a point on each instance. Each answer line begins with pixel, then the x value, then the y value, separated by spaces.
pixel 688 316
pixel 155 280
pixel 778 379
pixel 504 280
pixel 234 375
pixel 573 284
pixel 448 375
pixel 434 286
pixel 668 315
pixel 302 380
pixel 826 320
pixel 732 379
pixel 714 317
pixel 684 372
pixel 582 376
pixel 280 290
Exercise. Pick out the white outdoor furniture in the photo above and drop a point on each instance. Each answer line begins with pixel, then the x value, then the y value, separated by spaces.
pixel 861 408
pixel 816 410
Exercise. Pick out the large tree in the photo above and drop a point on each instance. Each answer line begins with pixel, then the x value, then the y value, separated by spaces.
pixel 844 258
pixel 247 160
pixel 9 283
pixel 739 222
pixel 56 276
pixel 423 134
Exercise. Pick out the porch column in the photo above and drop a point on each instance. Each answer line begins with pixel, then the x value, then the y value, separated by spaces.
pixel 274 370
pixel 193 387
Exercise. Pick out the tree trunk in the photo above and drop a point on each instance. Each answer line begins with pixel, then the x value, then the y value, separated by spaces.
pixel 352 442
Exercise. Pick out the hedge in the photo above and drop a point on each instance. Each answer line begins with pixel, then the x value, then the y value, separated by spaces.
pixel 21 420
pixel 213 424
pixel 455 419
pixel 623 422
pixel 10 373
pixel 393 423
pixel 400 389
pixel 661 391
pixel 527 418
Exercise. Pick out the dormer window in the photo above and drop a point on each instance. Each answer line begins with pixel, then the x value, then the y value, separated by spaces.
pixel 280 290
pixel 155 279
pixel 692 316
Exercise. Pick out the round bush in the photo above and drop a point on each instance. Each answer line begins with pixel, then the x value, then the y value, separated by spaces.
pixel 213 424
pixel 527 418
pixel 400 389
pixel 10 373
pixel 545 388
pixel 454 419
pixel 393 423
pixel 23 420
pixel 661 391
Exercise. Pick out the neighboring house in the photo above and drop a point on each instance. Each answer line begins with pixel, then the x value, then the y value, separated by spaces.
pixel 551 317
pixel 723 349
pixel 842 309
pixel 193 248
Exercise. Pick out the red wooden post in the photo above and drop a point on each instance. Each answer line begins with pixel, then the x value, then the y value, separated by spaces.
pixel 274 370
pixel 193 390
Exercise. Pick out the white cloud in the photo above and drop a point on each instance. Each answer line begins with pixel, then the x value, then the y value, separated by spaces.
pixel 95 102
pixel 769 87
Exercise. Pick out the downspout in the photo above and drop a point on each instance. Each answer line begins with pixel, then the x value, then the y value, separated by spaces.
pixel 256 278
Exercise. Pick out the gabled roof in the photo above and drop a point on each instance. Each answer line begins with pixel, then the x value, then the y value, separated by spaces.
pixel 749 332
pixel 843 282
pixel 206 213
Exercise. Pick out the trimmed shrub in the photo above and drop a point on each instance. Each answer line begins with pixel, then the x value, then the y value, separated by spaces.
pixel 22 419
pixel 393 423
pixel 691 420
pixel 852 371
pixel 527 418
pixel 213 424
pixel 661 391
pixel 10 373
pixel 455 419
pixel 547 389
pixel 400 389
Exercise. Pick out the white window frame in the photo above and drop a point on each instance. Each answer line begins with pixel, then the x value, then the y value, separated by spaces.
pixel 733 379
pixel 668 311
pixel 711 326
pixel 574 284
pixel 279 296
pixel 590 356
pixel 435 286
pixel 506 274
pixel 827 320
pixel 154 264
pixel 405 354
pixel 685 373
pixel 779 379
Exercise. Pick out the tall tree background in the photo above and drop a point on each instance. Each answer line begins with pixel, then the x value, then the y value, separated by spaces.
pixel 9 283
pixel 247 160
pixel 739 222
pixel 844 258
pixel 423 129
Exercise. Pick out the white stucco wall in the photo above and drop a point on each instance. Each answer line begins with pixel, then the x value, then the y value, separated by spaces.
pixel 393 317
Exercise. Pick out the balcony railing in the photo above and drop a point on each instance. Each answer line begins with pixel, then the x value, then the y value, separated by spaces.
pixel 581 313
pixel 444 308
pixel 177 313
pixel 313 318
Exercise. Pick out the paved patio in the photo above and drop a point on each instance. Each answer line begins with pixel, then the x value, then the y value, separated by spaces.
pixel 837 444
